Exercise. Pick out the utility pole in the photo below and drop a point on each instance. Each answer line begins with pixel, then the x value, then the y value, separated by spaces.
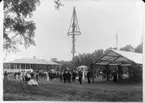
pixel 74 31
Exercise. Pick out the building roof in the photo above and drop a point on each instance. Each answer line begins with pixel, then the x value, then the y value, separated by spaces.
pixel 82 66
pixel 32 61
pixel 118 56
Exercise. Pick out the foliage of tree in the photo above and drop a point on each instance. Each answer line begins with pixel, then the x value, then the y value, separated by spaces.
pixel 97 53
pixel 139 48
pixel 76 61
pixel 18 28
pixel 58 4
pixel 84 59
pixel 127 48
pixel 54 59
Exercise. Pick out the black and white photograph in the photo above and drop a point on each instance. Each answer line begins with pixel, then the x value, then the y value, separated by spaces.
pixel 72 50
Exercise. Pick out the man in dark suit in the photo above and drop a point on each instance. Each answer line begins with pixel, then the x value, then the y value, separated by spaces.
pixel 65 76
pixel 73 76
pixel 80 76
pixel 88 76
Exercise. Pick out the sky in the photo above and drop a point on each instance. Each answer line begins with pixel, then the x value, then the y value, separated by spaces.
pixel 99 22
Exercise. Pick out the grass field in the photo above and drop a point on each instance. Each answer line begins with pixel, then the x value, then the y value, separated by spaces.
pixel 57 91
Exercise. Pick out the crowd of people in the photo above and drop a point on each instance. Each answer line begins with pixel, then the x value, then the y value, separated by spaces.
pixel 29 77
pixel 32 77
pixel 67 76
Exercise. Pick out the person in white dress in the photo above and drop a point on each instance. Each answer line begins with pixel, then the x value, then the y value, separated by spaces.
pixel 32 81
pixel 47 76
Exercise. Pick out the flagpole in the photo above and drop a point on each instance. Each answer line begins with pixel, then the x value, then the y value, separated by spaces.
pixel 117 41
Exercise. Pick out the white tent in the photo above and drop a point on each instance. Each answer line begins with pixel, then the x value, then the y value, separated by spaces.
pixel 84 70
pixel 82 67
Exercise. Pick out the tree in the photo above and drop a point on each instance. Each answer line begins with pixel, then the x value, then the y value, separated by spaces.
pixel 53 59
pixel 18 28
pixel 97 53
pixel 58 4
pixel 139 48
pixel 127 48
pixel 76 61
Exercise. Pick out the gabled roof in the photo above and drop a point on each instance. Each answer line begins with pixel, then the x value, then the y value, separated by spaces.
pixel 32 61
pixel 118 56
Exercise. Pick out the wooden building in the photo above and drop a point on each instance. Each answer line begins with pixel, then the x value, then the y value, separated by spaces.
pixel 29 63
pixel 121 60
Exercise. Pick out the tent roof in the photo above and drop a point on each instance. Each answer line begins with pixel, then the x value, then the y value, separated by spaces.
pixel 82 66
pixel 32 61
pixel 118 56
